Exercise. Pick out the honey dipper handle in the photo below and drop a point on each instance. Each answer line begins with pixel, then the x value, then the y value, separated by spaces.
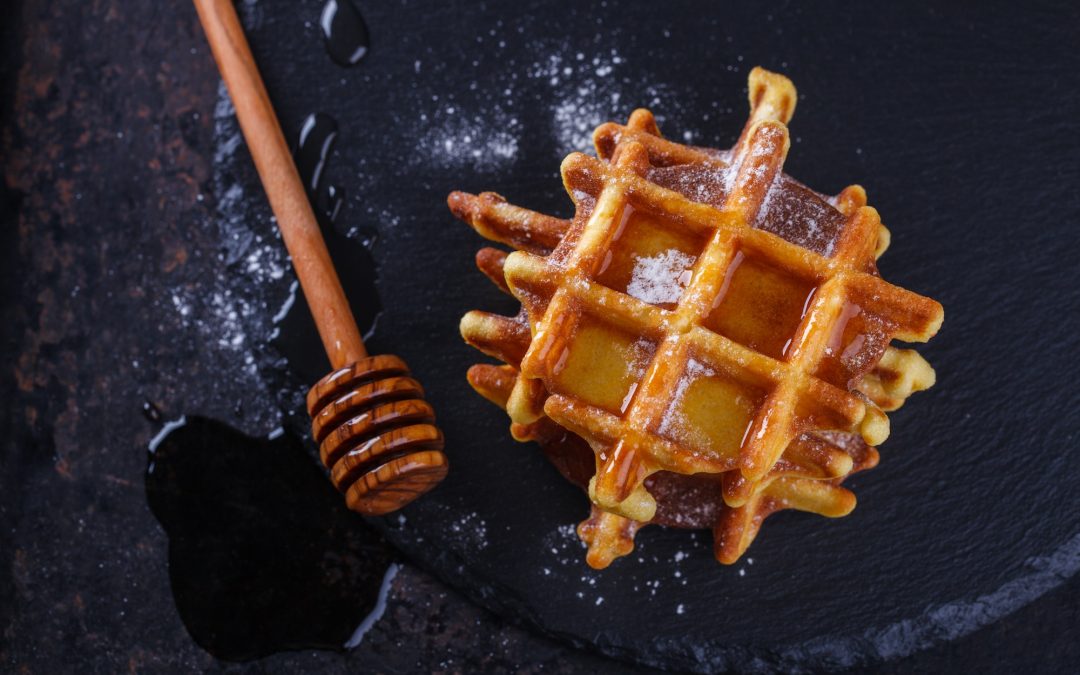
pixel 280 179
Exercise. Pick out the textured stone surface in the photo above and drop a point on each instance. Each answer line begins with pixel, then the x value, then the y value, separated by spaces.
pixel 124 265
pixel 107 145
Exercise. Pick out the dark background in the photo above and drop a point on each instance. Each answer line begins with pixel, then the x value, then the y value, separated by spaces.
pixel 131 271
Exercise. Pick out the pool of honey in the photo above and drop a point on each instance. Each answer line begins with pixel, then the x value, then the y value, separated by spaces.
pixel 711 412
pixel 601 365
pixel 857 342
pixel 642 237
pixel 760 306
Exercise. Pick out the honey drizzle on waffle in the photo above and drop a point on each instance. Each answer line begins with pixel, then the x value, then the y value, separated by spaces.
pixel 808 474
pixel 628 447
pixel 807 479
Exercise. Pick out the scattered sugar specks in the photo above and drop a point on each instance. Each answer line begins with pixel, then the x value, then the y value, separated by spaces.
pixel 592 91
pixel 484 142
pixel 564 543
pixel 575 117
pixel 471 530
pixel 182 305
pixel 675 423
pixel 581 90
pixel 227 316
pixel 653 586
pixel 224 308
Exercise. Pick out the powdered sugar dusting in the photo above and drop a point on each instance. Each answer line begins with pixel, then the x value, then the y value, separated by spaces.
pixel 662 278
pixel 702 183
pixel 639 356
pixel 228 317
pixel 227 310
pixel 801 216
pixel 563 542
pixel 483 141
pixel 674 422
pixel 480 126
pixel 470 529
pixel 589 92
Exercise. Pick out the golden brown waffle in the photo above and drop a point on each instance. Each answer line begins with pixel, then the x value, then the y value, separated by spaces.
pixel 694 502
pixel 729 310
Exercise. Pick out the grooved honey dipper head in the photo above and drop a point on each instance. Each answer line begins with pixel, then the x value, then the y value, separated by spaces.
pixel 376 434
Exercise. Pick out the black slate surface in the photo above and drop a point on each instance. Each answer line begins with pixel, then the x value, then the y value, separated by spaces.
pixel 960 123
pixel 118 205
pixel 963 133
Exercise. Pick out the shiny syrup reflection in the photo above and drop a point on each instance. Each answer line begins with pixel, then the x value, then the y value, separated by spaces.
pixel 345 33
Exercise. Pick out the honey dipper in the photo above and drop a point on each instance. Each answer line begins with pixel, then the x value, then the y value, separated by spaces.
pixel 375 431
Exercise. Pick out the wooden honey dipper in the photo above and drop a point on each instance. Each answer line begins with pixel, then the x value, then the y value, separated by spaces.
pixel 375 432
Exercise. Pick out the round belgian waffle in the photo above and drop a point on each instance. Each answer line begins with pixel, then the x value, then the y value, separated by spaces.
pixel 705 323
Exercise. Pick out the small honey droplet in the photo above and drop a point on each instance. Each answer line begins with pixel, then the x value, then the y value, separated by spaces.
pixel 345 32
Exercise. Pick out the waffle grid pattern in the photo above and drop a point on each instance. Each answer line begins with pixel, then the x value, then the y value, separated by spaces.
pixel 670 341
pixel 629 446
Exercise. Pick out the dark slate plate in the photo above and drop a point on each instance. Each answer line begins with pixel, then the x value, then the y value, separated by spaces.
pixel 961 124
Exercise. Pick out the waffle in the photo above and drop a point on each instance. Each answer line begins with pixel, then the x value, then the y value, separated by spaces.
pixel 702 314
pixel 691 501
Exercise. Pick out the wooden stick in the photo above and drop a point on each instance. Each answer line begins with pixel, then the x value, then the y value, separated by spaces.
pixel 280 179
pixel 369 399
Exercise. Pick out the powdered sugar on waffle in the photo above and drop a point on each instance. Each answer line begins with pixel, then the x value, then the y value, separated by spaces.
pixel 674 422
pixel 660 279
